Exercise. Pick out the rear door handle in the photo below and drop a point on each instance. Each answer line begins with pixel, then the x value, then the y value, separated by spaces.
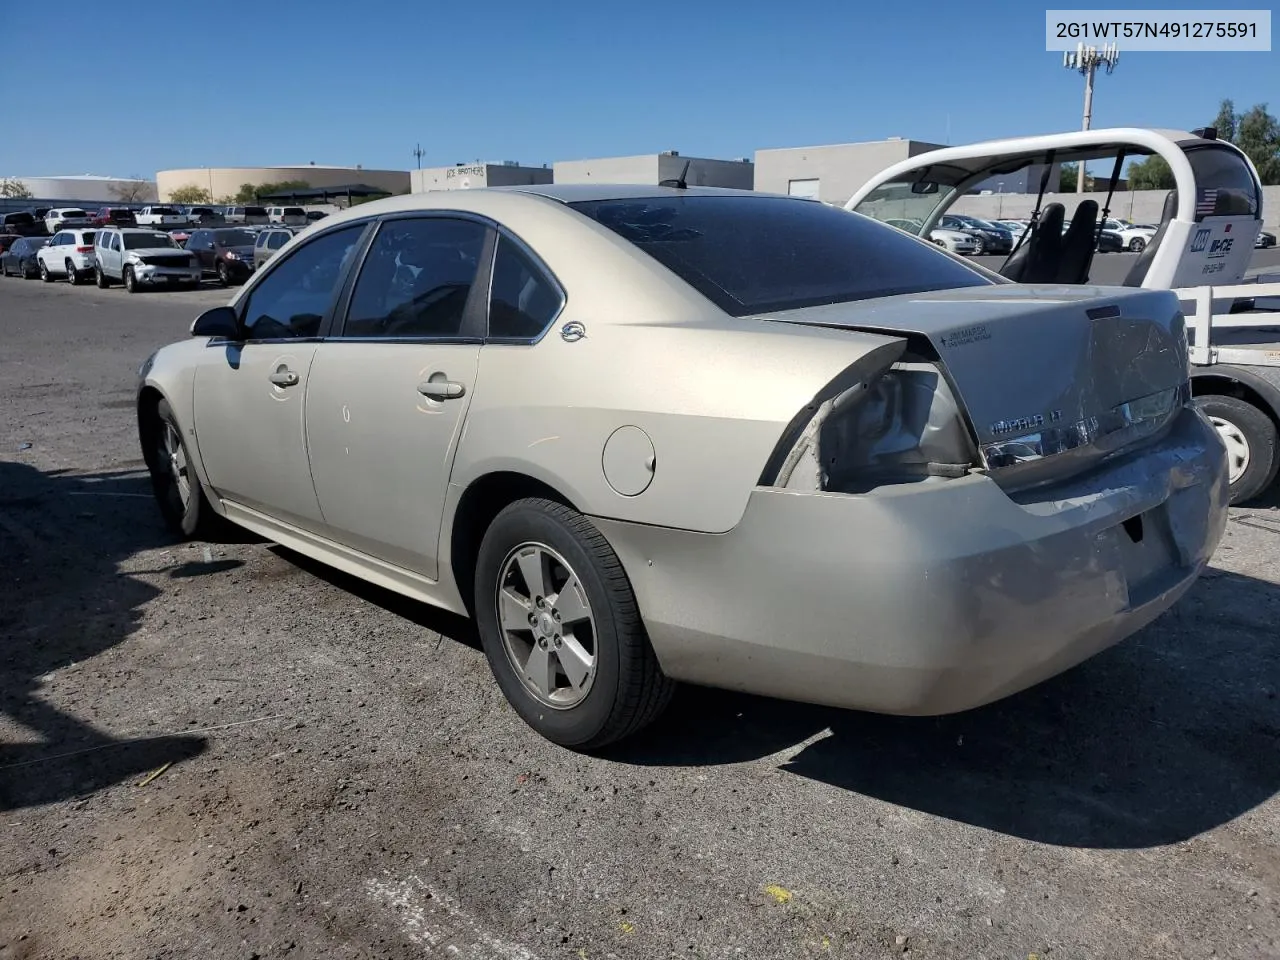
pixel 284 378
pixel 441 389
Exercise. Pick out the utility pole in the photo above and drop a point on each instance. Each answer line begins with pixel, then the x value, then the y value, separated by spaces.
pixel 419 152
pixel 1086 61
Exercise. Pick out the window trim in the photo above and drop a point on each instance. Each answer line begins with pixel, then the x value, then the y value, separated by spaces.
pixel 548 274
pixel 276 262
pixel 475 314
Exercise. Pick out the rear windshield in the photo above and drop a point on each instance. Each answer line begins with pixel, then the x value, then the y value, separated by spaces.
pixel 255 211
pixel 1224 184
pixel 293 212
pixel 234 238
pixel 24 219
pixel 164 211
pixel 144 241
pixel 763 254
pixel 68 214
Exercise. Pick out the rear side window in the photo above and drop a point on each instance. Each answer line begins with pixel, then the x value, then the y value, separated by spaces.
pixel 522 300
pixel 276 240
pixel 1225 186
pixel 753 255
pixel 416 279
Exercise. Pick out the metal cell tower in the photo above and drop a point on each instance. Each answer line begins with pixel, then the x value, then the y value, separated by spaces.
pixel 1086 60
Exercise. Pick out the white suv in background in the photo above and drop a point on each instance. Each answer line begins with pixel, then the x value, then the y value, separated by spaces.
pixel 143 258
pixel 68 254
pixel 289 216
pixel 61 217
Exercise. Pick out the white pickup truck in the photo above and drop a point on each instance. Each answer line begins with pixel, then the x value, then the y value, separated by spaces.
pixel 160 217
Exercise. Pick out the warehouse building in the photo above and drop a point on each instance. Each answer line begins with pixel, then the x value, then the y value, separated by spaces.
pixel 88 188
pixel 656 167
pixel 833 172
pixel 473 176
pixel 222 182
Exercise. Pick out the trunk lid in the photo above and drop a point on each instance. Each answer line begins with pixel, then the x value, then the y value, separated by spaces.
pixel 1042 371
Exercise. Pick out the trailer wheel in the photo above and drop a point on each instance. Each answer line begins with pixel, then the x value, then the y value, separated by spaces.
pixel 1250 438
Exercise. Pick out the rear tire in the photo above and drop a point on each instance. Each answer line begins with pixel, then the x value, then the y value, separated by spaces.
pixel 1137 245
pixel 45 275
pixel 625 689
pixel 73 277
pixel 100 278
pixel 1250 437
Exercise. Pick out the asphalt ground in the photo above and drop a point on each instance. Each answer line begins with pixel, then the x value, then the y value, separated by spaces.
pixel 225 750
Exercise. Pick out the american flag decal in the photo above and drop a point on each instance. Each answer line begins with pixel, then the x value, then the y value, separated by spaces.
pixel 1207 203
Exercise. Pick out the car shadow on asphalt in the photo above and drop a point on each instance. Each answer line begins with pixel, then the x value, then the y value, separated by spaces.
pixel 63 601
pixel 1170 734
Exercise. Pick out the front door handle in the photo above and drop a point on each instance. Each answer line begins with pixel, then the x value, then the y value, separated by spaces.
pixel 284 378
pixel 441 389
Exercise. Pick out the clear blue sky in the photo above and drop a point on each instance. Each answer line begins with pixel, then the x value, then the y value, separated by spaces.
pixel 293 81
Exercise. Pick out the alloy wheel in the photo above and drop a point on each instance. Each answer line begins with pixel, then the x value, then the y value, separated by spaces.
pixel 1237 445
pixel 548 631
pixel 173 460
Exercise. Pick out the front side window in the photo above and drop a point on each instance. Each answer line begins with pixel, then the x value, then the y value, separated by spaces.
pixel 416 279
pixel 115 241
pixel 522 300
pixel 751 255
pixel 292 299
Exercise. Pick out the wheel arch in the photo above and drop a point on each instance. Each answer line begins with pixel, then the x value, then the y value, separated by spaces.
pixel 1239 382
pixel 149 396
pixel 482 500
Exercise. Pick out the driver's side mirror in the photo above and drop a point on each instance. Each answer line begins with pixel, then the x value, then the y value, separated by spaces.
pixel 220 322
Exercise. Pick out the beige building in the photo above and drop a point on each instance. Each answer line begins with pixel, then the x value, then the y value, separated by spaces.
pixel 652 168
pixel 226 181
pixel 474 176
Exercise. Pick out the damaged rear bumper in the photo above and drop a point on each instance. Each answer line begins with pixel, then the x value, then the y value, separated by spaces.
pixel 930 598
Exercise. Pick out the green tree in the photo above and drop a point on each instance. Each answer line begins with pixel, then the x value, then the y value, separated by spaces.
pixel 1258 135
pixel 1067 181
pixel 189 193
pixel 284 186
pixel 248 193
pixel 1225 121
pixel 1153 173
pixel 14 189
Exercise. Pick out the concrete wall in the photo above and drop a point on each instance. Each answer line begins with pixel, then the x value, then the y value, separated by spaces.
pixel 839 168
pixel 1137 206
pixel 86 189
pixel 226 181
pixel 475 176
pixel 650 168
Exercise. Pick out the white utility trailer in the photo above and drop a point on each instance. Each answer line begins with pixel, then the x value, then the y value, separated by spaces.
pixel 1201 250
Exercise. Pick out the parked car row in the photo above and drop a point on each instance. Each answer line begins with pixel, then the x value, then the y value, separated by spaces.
pixel 47 221
pixel 140 258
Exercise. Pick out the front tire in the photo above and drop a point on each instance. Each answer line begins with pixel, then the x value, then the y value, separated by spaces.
pixel 561 628
pixel 1250 438
pixel 130 281
pixel 224 275
pixel 178 490
pixel 1137 245
pixel 979 246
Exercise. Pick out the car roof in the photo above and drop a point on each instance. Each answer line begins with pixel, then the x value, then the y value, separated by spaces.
pixel 578 192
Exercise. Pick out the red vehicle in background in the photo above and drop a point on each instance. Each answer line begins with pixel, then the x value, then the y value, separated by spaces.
pixel 114 217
